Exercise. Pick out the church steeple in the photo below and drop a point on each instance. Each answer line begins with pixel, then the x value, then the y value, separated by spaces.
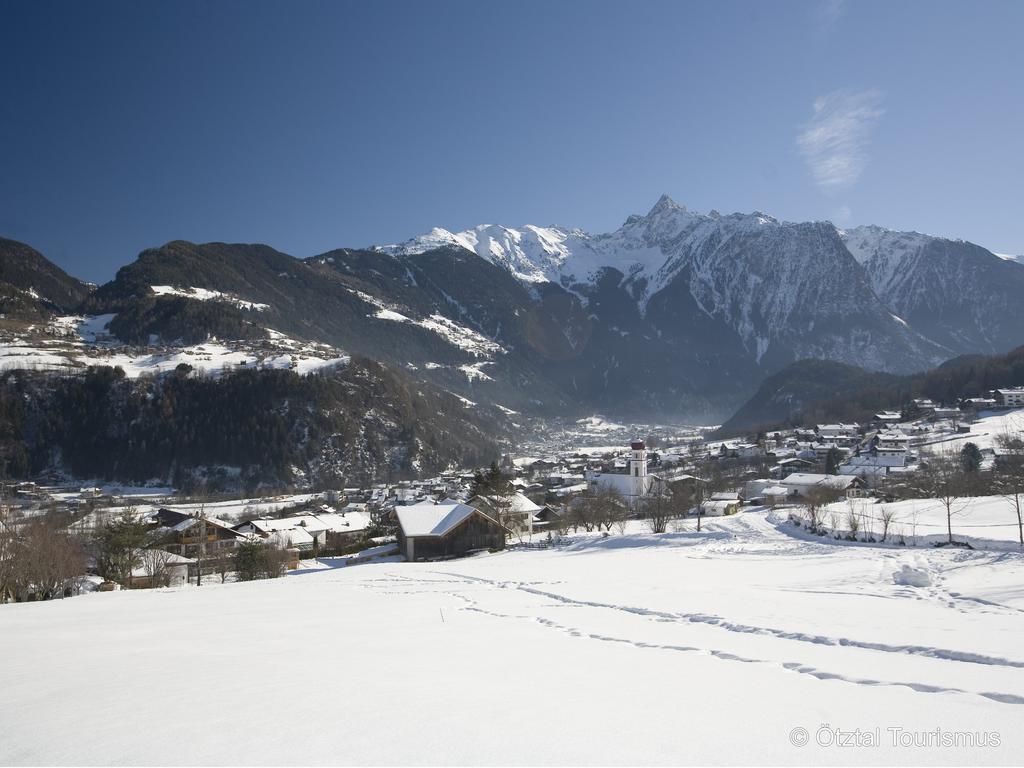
pixel 638 459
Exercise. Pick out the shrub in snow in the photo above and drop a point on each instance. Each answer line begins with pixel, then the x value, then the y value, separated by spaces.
pixel 256 560
pixel 853 523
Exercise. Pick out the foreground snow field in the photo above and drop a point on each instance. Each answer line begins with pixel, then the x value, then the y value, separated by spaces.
pixel 714 647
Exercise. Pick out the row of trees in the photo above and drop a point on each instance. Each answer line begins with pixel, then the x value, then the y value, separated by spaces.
pixel 605 508
pixel 951 479
pixel 41 560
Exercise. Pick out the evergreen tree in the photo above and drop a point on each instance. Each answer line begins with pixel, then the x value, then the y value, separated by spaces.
pixel 250 561
pixel 970 458
pixel 832 461
pixel 118 544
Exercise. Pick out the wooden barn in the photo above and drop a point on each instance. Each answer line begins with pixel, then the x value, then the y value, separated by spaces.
pixel 436 531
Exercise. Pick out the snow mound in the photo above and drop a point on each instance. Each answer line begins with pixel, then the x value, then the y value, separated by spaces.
pixel 908 576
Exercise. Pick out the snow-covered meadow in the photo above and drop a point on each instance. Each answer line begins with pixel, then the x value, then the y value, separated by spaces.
pixel 984 522
pixel 686 647
pixel 72 343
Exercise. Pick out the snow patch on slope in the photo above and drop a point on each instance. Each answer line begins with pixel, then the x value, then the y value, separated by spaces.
pixel 1019 259
pixel 207 294
pixel 460 336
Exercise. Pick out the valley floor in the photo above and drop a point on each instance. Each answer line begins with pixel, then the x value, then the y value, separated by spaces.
pixel 712 647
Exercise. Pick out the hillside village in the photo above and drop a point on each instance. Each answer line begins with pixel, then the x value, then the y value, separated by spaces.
pixel 837 480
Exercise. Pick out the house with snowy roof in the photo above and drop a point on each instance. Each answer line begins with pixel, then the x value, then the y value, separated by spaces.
pixel 888 417
pixel 516 511
pixel 872 467
pixel 311 531
pixel 890 443
pixel 788 466
pixel 804 483
pixel 719 507
pixel 185 534
pixel 159 568
pixel 428 531
pixel 282 532
pixel 828 431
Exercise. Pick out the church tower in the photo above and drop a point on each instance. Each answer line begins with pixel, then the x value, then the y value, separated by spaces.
pixel 638 467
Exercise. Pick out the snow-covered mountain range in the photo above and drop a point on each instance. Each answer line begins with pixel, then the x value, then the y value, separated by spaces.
pixel 956 293
pixel 869 296
pixel 675 314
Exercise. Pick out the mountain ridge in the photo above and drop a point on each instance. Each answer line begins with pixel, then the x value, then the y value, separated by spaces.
pixel 676 314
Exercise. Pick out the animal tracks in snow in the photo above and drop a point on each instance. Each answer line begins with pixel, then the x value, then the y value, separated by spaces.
pixel 470 592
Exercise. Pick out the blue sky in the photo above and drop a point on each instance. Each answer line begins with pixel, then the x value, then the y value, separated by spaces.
pixel 310 126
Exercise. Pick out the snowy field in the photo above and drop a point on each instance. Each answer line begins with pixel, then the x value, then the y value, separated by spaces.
pixel 986 522
pixel 73 343
pixel 985 432
pixel 715 647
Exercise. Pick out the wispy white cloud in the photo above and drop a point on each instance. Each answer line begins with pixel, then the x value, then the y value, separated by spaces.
pixel 834 143
pixel 842 215
pixel 828 13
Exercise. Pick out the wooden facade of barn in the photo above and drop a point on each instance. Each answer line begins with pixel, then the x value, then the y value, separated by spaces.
pixel 475 532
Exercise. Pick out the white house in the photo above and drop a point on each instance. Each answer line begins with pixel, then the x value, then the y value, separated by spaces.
pixel 1010 398
pixel 891 443
pixel 834 431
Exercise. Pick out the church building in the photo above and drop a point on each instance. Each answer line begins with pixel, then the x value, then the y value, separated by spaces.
pixel 634 483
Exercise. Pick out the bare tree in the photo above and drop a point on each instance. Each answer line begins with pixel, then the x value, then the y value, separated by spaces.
pixel 682 498
pixel 8 543
pixel 502 506
pixel 579 514
pixel 942 479
pixel 658 508
pixel 154 561
pixel 276 561
pixel 1009 479
pixel 223 565
pixel 816 500
pixel 200 550
pixel 47 561
pixel 697 495
pixel 606 508
pixel 887 516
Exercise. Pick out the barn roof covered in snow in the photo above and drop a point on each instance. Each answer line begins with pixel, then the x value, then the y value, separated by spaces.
pixel 428 519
